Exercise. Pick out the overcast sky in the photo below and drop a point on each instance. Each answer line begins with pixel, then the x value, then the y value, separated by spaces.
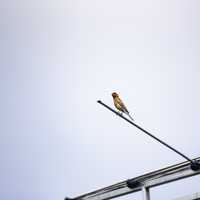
pixel 59 57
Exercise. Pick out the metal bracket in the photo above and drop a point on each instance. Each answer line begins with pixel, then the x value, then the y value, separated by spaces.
pixel 132 184
pixel 195 165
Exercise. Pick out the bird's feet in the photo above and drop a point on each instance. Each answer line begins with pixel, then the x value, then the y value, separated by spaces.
pixel 120 113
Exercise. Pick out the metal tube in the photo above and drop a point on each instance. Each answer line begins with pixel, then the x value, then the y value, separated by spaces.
pixel 145 193
pixel 149 180
pixel 146 132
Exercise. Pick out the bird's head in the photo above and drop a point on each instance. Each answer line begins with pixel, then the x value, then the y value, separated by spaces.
pixel 114 95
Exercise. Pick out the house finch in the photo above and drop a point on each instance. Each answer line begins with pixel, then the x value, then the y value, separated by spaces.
pixel 120 105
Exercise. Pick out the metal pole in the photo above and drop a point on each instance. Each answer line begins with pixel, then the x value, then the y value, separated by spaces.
pixel 146 132
pixel 145 193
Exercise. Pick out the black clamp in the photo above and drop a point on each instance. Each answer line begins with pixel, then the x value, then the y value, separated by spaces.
pixel 195 165
pixel 67 198
pixel 132 183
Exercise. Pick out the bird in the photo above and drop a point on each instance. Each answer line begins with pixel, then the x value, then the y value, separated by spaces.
pixel 118 103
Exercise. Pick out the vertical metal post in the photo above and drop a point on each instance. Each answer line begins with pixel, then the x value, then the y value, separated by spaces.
pixel 145 193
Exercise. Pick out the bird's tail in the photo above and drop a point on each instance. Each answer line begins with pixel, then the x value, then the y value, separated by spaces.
pixel 130 117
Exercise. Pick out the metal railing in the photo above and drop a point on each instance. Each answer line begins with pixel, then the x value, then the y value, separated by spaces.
pixel 142 183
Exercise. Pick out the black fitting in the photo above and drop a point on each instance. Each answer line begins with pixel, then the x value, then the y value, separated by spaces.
pixel 67 198
pixel 132 184
pixel 195 165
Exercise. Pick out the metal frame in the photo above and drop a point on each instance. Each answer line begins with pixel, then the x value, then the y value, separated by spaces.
pixel 143 183
pixel 194 196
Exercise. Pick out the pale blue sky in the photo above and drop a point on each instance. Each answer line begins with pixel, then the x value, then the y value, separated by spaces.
pixel 59 57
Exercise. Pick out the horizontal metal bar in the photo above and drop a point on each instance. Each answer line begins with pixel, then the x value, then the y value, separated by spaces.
pixel 152 179
pixel 170 176
pixel 194 196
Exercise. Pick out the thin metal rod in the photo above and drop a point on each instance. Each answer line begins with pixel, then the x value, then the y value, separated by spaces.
pixel 143 130
pixel 145 193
